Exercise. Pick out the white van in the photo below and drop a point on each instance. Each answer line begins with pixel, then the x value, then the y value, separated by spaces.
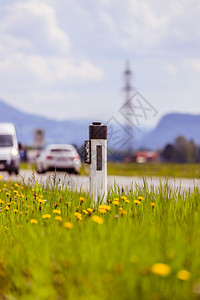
pixel 9 152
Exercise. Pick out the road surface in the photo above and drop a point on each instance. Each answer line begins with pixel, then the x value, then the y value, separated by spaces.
pixel 82 182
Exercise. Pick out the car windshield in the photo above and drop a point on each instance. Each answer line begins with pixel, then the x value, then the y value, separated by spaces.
pixel 6 140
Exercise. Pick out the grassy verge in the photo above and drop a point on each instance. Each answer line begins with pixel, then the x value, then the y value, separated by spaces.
pixel 155 169
pixel 133 169
pixel 140 245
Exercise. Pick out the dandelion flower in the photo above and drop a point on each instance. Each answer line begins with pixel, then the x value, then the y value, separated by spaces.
pixel 85 211
pixel 161 269
pixel 33 221
pixel 97 219
pixel 90 210
pixel 57 211
pixel 183 275
pixel 140 198
pixel 41 201
pixel 123 197
pixel 81 199
pixel 46 216
pixel 1 177
pixel 123 212
pixel 127 201
pixel 15 210
pixel 68 225
pixel 153 204
pixel 116 202
pixel 58 218
pixel 102 210
pixel 136 202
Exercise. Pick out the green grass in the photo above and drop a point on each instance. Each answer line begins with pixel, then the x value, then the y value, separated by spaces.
pixel 133 169
pixel 155 169
pixel 112 260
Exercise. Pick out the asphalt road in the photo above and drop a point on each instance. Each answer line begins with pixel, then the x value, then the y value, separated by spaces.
pixel 82 182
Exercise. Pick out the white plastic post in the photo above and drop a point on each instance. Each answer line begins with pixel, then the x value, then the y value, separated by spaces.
pixel 98 161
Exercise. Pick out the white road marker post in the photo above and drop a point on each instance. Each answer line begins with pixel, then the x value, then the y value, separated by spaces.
pixel 96 156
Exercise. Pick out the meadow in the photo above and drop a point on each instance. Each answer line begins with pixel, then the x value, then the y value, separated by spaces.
pixel 146 169
pixel 140 244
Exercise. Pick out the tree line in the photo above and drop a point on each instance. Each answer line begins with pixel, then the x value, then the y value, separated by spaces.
pixel 181 151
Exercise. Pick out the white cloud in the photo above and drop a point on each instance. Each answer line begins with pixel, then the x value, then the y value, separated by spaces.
pixel 35 22
pixel 170 68
pixel 192 64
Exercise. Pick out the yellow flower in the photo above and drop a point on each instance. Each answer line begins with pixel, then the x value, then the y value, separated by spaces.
pixel 16 184
pixel 153 204
pixel 140 198
pixel 33 221
pixel 127 201
pixel 108 207
pixel 78 216
pixel 7 207
pixel 57 211
pixel 123 212
pixel 15 210
pixel 123 197
pixel 85 211
pixel 97 219
pixel 161 269
pixel 116 199
pixel 116 202
pixel 102 210
pixel 1 202
pixel 183 275
pixel 1 177
pixel 81 199
pixel 90 210
pixel 68 225
pixel 46 216
pixel 41 201
pixel 21 213
pixel 58 218
pixel 136 202
pixel 120 208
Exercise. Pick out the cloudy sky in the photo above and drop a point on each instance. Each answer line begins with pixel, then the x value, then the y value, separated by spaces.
pixel 66 58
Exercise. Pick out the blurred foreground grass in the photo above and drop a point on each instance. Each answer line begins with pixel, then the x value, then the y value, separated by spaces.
pixel 143 244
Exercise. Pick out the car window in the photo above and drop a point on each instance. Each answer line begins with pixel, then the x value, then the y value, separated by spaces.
pixel 60 150
pixel 6 140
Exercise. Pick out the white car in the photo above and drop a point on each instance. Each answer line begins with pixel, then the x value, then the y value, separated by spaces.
pixel 9 151
pixel 59 157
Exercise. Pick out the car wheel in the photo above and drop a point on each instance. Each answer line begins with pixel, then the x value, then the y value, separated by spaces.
pixel 16 171
pixel 75 172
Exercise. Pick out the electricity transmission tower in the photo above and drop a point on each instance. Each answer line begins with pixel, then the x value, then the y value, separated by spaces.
pixel 128 89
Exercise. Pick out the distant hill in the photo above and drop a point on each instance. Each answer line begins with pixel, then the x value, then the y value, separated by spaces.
pixel 67 131
pixel 76 131
pixel 171 126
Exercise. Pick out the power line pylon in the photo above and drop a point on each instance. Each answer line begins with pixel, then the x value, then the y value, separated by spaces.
pixel 128 89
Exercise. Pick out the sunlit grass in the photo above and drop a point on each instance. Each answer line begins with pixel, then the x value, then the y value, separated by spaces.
pixel 140 244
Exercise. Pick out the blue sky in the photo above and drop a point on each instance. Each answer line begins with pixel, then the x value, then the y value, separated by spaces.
pixel 65 59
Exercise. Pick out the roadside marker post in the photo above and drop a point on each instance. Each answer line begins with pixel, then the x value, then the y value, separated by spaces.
pixel 96 156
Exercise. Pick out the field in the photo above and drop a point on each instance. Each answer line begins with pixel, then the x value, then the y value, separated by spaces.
pixel 141 244
pixel 147 169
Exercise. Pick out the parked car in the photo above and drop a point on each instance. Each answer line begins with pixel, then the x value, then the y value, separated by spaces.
pixel 59 157
pixel 9 152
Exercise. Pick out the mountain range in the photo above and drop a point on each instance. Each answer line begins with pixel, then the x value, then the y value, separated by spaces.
pixel 76 131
